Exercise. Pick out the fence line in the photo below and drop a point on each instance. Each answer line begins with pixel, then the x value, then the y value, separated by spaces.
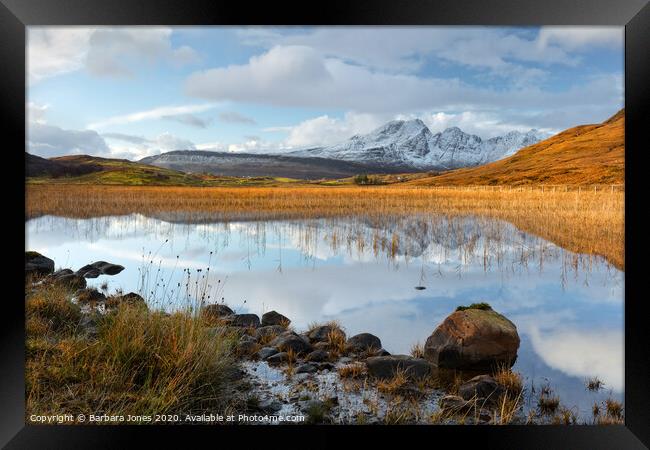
pixel 538 187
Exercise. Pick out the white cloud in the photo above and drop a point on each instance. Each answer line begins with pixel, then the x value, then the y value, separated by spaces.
pixel 151 114
pixel 297 76
pixel 584 354
pixel 325 130
pixel 580 38
pixel 235 117
pixel 189 119
pixel 102 51
pixel 483 124
pixel 36 112
pixel 56 50
pixel 139 147
pixel 398 49
pixel 48 140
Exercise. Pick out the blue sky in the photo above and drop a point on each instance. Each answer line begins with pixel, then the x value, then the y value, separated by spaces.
pixel 131 92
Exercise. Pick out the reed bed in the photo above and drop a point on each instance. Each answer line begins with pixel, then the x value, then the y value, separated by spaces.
pixel 590 222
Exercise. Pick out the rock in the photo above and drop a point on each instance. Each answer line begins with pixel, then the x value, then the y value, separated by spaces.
pixel 269 405
pixel 278 358
pixel 455 404
pixel 364 341
pixel 246 347
pixel 307 368
pixel 382 352
pixel 71 280
pixel 346 360
pixel 37 264
pixel 216 311
pixel 243 320
pixel 387 366
pixel 99 268
pixel 62 272
pixel 291 341
pixel 89 295
pixel 269 331
pixel 92 273
pixel 274 318
pixel 482 387
pixel 247 338
pixel 265 352
pixel 322 333
pixel 325 366
pixel 318 356
pixel 321 346
pixel 473 339
pixel 131 298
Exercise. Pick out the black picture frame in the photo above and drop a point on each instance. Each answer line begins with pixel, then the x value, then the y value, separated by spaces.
pixel 16 15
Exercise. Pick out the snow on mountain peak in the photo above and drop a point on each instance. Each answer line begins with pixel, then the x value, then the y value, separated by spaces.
pixel 411 143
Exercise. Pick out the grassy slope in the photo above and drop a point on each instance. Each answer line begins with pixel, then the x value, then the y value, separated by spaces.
pixel 127 173
pixel 586 154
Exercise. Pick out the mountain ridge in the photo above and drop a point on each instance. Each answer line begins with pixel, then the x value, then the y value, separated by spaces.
pixel 411 143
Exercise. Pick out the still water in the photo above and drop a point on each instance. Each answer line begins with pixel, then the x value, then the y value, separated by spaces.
pixel 363 272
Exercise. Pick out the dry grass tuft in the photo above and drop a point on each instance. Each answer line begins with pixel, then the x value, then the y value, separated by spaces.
pixel 354 370
pixel 139 362
pixel 417 350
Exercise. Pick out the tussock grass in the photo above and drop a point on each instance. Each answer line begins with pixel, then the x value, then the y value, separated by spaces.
pixel 547 404
pixel 139 362
pixel 354 370
pixel 582 222
pixel 395 384
pixel 417 350
pixel 594 384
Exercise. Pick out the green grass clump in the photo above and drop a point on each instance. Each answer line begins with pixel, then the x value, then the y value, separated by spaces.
pixel 139 362
pixel 482 306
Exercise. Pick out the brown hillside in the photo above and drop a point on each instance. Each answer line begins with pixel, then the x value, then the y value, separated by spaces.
pixel 586 154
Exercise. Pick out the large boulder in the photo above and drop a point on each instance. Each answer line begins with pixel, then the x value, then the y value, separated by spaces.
pixel 269 331
pixel 364 341
pixel 291 341
pixel 37 264
pixel 482 387
pixel 243 320
pixel 322 333
pixel 473 339
pixel 274 318
pixel 388 366
pixel 216 311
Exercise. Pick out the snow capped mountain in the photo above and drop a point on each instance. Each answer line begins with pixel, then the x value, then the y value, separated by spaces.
pixel 411 143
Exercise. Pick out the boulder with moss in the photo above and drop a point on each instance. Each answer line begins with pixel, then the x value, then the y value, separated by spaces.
pixel 473 338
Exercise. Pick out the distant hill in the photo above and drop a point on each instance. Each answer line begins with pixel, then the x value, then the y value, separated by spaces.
pixel 586 154
pixel 86 169
pixel 255 165
pixel 59 167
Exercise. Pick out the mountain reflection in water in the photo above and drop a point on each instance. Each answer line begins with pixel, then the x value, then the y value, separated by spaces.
pixel 367 273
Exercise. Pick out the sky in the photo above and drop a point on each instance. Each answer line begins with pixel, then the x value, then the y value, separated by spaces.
pixel 132 92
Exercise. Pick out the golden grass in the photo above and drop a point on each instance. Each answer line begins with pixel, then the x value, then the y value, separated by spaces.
pixel 582 222
pixel 139 362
